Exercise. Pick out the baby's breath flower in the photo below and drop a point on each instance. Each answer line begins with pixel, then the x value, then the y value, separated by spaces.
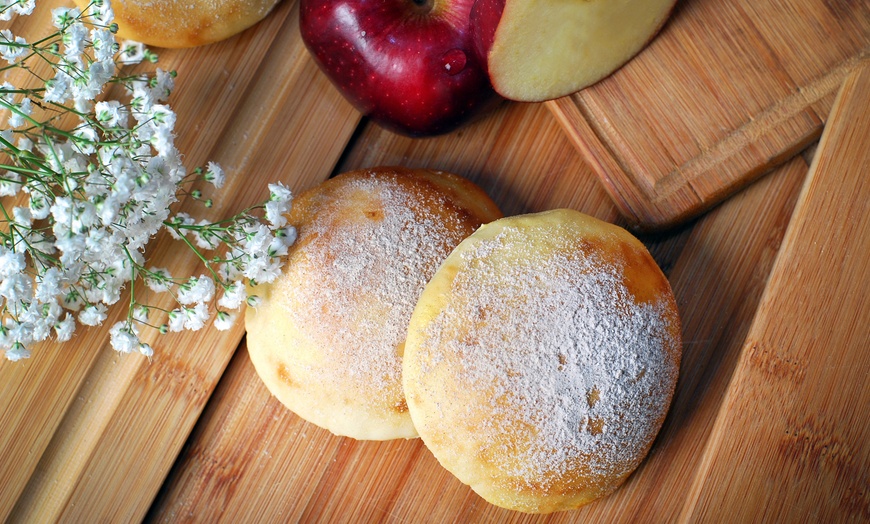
pixel 12 47
pixel 93 315
pixel 103 41
pixel 278 248
pixel 85 139
pixel 57 89
pixel 72 300
pixel 23 216
pixel 158 279
pixel 278 205
pixel 287 234
pixel 49 285
pixel 124 337
pixel 146 349
pixel 234 295
pixel 19 113
pixel 280 193
pixel 91 195
pixel 111 114
pixel 5 138
pixel 195 317
pixel 11 263
pixel 8 8
pixel 74 39
pixel 204 236
pixel 178 225
pixel 162 84
pixel 196 290
pixel 17 352
pixel 132 53
pixel 65 328
pixel 140 314
pixel 176 320
pixel 24 144
pixel 215 175
pixel 16 288
pixel 224 320
pixel 62 17
pixel 10 184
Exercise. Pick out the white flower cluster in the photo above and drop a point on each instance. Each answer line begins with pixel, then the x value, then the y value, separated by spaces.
pixel 8 8
pixel 78 206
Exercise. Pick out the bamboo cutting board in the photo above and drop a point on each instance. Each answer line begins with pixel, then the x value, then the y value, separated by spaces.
pixel 247 446
pixel 727 90
pixel 800 396
pixel 88 435
pixel 193 435
pixel 249 459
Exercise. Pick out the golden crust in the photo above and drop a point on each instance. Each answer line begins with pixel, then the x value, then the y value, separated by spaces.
pixel 328 337
pixel 541 359
pixel 185 23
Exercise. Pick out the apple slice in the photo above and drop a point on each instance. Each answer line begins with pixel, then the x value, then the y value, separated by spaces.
pixel 538 50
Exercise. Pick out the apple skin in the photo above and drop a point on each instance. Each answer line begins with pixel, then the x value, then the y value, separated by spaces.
pixel 410 67
pixel 485 16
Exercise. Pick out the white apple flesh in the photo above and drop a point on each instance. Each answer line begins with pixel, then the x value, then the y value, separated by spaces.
pixel 538 50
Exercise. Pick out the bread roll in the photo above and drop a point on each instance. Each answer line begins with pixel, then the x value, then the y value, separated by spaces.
pixel 184 23
pixel 541 360
pixel 328 338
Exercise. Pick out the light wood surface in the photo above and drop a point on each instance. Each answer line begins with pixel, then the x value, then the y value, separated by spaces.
pixel 727 91
pixel 91 435
pixel 193 435
pixel 799 396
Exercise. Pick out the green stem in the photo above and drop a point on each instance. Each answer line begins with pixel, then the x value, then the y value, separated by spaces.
pixel 133 276
pixel 193 248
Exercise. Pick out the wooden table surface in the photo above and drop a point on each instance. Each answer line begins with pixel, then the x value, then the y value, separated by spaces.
pixel 770 417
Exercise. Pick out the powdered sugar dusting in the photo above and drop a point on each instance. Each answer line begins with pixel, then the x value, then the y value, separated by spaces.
pixel 373 255
pixel 568 371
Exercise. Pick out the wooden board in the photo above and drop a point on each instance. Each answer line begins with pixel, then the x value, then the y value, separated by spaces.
pixel 84 428
pixel 727 91
pixel 800 396
pixel 193 435
pixel 247 446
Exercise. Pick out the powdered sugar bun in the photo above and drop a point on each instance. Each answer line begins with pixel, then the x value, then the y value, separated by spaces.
pixel 541 360
pixel 185 23
pixel 327 339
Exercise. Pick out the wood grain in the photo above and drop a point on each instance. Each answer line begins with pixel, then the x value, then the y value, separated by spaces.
pixel 85 417
pixel 193 435
pixel 338 478
pixel 800 392
pixel 520 174
pixel 727 91
pixel 718 269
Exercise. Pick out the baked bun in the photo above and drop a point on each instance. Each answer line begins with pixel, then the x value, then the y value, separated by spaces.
pixel 541 360
pixel 184 23
pixel 328 337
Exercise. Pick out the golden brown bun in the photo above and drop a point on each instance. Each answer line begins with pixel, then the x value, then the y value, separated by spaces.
pixel 327 339
pixel 541 360
pixel 185 23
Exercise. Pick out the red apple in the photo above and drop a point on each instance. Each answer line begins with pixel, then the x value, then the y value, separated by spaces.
pixel 537 50
pixel 409 65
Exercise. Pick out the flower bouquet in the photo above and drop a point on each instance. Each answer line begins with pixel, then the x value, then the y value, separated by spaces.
pixel 90 174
